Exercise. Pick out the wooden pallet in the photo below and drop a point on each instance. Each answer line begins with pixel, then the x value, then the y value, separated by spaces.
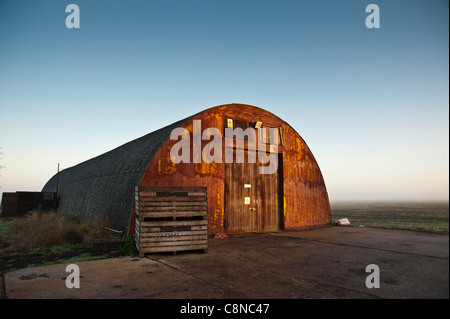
pixel 171 219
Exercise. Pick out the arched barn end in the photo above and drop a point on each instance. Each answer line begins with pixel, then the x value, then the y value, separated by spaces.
pixel 240 199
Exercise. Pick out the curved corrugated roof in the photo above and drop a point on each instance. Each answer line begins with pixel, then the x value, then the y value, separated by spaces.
pixel 104 186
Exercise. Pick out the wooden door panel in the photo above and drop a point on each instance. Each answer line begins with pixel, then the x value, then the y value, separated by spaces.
pixel 262 212
pixel 236 219
pixel 269 201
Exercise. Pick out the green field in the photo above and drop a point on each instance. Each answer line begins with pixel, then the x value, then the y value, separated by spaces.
pixel 429 216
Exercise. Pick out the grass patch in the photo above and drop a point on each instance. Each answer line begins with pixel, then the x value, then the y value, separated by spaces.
pixel 4 225
pixel 426 216
pixel 129 248
pixel 49 229
pixel 67 247
pixel 82 257
pixel 46 238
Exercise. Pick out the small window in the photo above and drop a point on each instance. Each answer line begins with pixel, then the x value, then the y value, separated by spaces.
pixel 241 124
pixel 264 136
pixel 234 124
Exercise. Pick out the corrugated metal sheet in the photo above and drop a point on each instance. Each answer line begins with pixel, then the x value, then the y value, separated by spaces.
pixel 103 187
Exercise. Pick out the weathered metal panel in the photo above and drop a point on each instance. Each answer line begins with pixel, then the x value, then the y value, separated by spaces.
pixel 251 199
pixel 303 201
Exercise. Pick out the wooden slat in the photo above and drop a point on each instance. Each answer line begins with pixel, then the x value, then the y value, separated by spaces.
pixel 177 235
pixel 157 230
pixel 146 194
pixel 174 234
pixel 173 240
pixel 171 204
pixel 177 205
pixel 170 194
pixel 171 235
pixel 185 245
pixel 179 214
pixel 175 209
pixel 173 212
pixel 172 189
pixel 197 194
pixel 171 208
pixel 173 223
pixel 146 200
pixel 199 227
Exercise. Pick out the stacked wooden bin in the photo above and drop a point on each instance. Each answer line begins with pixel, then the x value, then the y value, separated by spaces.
pixel 171 219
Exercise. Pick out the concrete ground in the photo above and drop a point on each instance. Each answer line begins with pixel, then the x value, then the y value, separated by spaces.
pixel 321 263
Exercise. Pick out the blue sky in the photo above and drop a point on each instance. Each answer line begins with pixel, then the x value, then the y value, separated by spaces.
pixel 372 104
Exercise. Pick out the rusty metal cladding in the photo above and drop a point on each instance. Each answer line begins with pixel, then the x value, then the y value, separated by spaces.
pixel 301 193
pixel 239 199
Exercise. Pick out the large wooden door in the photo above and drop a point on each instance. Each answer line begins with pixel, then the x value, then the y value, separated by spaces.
pixel 251 198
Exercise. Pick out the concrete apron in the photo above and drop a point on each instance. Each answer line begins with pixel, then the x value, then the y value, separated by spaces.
pixel 321 263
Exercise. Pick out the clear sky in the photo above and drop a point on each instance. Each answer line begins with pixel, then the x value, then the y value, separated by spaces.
pixel 372 104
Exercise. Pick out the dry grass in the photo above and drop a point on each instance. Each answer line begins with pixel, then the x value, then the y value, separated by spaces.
pixel 428 216
pixel 50 229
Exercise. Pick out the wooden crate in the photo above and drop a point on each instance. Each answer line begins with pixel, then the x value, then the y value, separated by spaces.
pixel 171 219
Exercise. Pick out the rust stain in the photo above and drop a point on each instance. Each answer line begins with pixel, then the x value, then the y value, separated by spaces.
pixel 166 166
pixel 206 169
pixel 190 128
pixel 218 212
pixel 299 149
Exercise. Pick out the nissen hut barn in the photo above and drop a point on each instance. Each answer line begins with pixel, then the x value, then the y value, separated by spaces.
pixel 264 180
